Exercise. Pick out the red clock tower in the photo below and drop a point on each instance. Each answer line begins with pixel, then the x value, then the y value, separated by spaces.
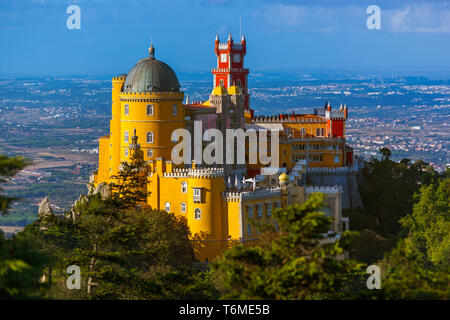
pixel 230 69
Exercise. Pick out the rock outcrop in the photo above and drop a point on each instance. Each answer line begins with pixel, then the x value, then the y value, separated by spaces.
pixel 45 208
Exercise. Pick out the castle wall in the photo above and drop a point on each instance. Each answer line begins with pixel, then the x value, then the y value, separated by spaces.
pixel 345 177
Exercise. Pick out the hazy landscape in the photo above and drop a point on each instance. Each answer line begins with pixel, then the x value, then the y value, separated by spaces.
pixel 55 122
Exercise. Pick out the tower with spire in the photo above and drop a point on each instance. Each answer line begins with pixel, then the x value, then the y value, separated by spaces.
pixel 230 69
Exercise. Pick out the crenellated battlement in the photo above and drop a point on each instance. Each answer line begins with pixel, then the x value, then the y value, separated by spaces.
pixel 287 119
pixel 252 195
pixel 331 171
pixel 324 189
pixel 207 173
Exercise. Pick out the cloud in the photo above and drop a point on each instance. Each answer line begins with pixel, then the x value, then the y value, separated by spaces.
pixel 419 18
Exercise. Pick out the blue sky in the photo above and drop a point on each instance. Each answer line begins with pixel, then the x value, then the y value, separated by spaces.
pixel 281 35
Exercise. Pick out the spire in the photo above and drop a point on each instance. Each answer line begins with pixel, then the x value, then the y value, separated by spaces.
pixel 151 50
pixel 243 38
pixel 230 38
pixel 134 138
pixel 187 99
pixel 217 37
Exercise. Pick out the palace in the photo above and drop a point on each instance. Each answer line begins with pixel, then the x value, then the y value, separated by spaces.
pixel 218 201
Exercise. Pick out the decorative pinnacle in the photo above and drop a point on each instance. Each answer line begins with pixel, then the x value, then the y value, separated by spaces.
pixel 243 38
pixel 230 38
pixel 217 37
pixel 151 50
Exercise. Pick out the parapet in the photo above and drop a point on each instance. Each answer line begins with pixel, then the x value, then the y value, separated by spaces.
pixel 331 171
pixel 324 189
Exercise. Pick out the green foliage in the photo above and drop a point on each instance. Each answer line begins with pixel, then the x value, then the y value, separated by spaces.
pixel 429 224
pixel 295 263
pixel 406 275
pixel 124 251
pixel 21 266
pixel 21 263
pixel 129 185
pixel 9 166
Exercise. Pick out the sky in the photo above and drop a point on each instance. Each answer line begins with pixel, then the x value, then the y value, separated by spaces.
pixel 281 35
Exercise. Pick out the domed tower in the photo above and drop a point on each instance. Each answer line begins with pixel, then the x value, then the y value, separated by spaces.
pixel 151 103
pixel 147 104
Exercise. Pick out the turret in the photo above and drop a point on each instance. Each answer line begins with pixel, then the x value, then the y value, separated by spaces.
pixel 216 45
pixel 244 44
pixel 230 40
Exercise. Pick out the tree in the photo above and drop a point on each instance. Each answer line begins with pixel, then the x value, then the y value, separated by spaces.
pixel 294 263
pixel 405 275
pixel 9 166
pixel 129 186
pixel 21 263
pixel 124 249
pixel 428 226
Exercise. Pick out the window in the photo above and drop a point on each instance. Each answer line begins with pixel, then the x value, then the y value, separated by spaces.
pixel 126 110
pixel 259 211
pixel 150 137
pixel 167 206
pixel 184 187
pixel 302 131
pixel 149 109
pixel 149 153
pixel 125 137
pixel 316 158
pixel 269 209
pixel 197 194
pixel 174 110
pixel 238 82
pixel 221 82
pixel 250 212
pixel 320 132
pixel 183 207
pixel 126 152
pixel 249 230
pixel 197 214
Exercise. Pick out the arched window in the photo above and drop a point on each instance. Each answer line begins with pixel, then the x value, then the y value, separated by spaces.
pixel 221 82
pixel 167 206
pixel 302 131
pixel 125 137
pixel 238 82
pixel 149 137
pixel 197 214
pixel 149 109
pixel 126 110
pixel 183 207
pixel 184 186
pixel 174 110
pixel 126 152
pixel 149 153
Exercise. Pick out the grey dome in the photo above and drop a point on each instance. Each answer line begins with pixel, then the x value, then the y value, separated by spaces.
pixel 150 74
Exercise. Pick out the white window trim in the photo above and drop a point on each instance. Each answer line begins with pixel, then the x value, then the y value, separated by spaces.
pixel 184 187
pixel 126 137
pixel 199 214
pixel 183 204
pixel 150 134
pixel 151 108
pixel 167 206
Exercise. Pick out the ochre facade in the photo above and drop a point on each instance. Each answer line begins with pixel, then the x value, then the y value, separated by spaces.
pixel 218 200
